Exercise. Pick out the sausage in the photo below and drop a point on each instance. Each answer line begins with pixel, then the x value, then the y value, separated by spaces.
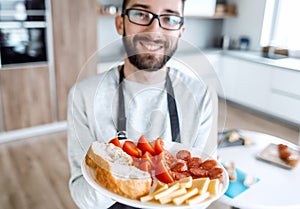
pixel 180 175
pixel 215 173
pixel 194 162
pixel 180 166
pixel 208 164
pixel 183 155
pixel 284 154
pixel 282 147
pixel 198 172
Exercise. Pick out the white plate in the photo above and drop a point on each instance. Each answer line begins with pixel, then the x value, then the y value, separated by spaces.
pixel 271 155
pixel 89 175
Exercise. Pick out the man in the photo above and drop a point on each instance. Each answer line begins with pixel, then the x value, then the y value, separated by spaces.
pixel 142 96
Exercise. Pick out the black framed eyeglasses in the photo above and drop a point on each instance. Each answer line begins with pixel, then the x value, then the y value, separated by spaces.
pixel 145 18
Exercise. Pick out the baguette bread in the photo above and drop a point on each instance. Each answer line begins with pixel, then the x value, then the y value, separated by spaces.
pixel 114 171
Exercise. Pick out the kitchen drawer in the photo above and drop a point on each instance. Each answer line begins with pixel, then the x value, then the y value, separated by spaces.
pixel 246 83
pixel 287 81
pixel 285 107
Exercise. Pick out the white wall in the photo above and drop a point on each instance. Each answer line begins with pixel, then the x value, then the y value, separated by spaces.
pixel 248 22
pixel 202 32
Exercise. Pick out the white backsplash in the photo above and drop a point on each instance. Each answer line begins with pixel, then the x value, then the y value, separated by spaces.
pixel 201 33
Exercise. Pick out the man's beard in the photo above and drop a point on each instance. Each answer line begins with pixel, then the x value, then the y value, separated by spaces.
pixel 149 61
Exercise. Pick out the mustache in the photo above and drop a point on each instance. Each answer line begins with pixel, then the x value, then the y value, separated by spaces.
pixel 149 39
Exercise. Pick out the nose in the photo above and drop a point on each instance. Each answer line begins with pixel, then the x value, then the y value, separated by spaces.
pixel 154 26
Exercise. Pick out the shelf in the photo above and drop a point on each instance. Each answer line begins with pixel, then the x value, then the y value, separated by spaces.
pixel 215 16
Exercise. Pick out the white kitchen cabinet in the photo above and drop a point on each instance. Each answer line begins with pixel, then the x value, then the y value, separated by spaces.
pixel 246 82
pixel 272 90
pixel 265 88
pixel 287 81
pixel 285 107
pixel 285 94
pixel 214 60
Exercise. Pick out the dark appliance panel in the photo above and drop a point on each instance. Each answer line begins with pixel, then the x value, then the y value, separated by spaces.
pixel 23 31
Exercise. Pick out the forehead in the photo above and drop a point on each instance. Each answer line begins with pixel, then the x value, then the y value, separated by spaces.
pixel 157 6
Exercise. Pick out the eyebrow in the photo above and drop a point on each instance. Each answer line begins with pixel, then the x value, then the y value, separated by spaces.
pixel 140 5
pixel 147 7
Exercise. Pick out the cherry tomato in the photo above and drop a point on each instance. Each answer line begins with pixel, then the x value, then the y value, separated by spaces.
pixel 132 150
pixel 159 145
pixel 144 145
pixel 163 174
pixel 116 142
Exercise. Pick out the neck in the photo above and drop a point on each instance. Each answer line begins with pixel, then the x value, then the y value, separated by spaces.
pixel 142 76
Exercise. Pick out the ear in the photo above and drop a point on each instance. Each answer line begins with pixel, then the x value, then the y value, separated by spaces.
pixel 181 31
pixel 119 24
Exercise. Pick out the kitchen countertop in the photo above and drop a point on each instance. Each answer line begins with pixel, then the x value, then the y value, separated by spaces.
pixel 255 56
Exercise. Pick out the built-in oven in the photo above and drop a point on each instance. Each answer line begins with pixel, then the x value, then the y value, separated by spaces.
pixel 23 31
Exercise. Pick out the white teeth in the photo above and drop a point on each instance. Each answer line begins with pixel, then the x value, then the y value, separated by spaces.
pixel 152 47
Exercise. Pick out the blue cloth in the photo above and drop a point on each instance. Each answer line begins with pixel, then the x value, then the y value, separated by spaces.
pixel 237 187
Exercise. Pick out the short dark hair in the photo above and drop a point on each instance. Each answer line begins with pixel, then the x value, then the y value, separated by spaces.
pixel 125 2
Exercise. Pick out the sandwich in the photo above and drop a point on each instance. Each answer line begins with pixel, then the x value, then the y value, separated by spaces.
pixel 114 170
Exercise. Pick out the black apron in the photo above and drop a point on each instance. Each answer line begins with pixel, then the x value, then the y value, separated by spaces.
pixel 121 125
pixel 174 121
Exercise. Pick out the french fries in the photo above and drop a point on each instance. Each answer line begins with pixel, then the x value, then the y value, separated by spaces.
pixel 185 191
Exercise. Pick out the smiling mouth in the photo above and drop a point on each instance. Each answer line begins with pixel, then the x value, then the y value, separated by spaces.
pixel 151 46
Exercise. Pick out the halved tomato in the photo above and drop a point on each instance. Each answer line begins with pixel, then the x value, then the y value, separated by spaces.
pixel 148 157
pixel 132 150
pixel 162 173
pixel 159 145
pixel 116 142
pixel 145 166
pixel 144 145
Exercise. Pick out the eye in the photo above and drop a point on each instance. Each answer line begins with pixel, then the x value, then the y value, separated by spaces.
pixel 138 14
pixel 171 19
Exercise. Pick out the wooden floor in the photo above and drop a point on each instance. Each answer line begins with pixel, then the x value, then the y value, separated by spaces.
pixel 237 117
pixel 34 172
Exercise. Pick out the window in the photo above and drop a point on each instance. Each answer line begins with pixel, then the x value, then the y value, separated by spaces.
pixel 280 26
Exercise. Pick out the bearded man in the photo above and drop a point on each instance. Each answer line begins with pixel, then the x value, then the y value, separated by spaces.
pixel 142 96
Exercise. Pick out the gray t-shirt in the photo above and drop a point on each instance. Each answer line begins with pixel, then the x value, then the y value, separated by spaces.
pixel 92 115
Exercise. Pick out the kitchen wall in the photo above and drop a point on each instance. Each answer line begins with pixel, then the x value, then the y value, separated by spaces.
pixel 199 32
pixel 248 22
pixel 203 32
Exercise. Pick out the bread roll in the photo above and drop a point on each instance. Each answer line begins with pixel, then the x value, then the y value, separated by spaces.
pixel 115 172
